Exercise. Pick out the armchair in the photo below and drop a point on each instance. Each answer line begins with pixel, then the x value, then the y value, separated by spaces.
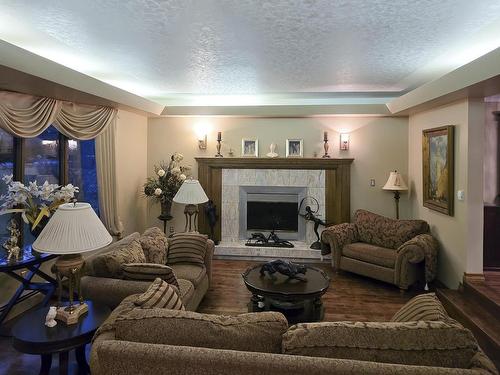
pixel 394 251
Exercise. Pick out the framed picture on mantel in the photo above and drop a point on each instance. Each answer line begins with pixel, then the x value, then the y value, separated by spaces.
pixel 250 147
pixel 438 169
pixel 294 148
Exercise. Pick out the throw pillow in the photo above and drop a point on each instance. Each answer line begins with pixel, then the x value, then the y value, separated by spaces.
pixel 110 264
pixel 154 244
pixel 160 294
pixel 149 271
pixel 422 343
pixel 187 248
pixel 254 332
pixel 422 307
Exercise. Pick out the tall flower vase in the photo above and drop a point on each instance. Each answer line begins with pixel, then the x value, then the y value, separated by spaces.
pixel 165 215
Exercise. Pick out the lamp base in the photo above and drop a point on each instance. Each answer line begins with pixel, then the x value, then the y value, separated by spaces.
pixel 70 314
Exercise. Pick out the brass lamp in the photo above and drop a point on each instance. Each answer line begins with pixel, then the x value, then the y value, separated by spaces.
pixel 396 184
pixel 73 229
pixel 191 194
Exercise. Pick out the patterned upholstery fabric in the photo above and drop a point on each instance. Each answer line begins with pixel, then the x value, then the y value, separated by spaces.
pixel 187 248
pixel 192 272
pixel 421 247
pixel 255 332
pixel 338 235
pixel 160 295
pixel 154 244
pixel 431 343
pixel 422 307
pixel 383 231
pixel 110 264
pixel 371 254
pixel 149 271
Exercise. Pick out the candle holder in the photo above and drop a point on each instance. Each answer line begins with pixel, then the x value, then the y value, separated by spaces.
pixel 325 145
pixel 219 140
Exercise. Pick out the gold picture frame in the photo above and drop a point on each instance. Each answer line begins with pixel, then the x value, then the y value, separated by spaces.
pixel 438 168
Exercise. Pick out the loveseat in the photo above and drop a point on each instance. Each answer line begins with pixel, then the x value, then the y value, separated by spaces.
pixel 399 252
pixel 421 339
pixel 106 284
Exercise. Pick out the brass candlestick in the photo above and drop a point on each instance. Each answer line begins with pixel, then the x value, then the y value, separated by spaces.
pixel 219 140
pixel 325 145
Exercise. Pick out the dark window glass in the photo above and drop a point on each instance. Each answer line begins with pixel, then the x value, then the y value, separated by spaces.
pixel 82 170
pixel 6 168
pixel 41 161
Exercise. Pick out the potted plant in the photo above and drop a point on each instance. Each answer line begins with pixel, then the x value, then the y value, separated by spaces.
pixel 165 184
pixel 34 202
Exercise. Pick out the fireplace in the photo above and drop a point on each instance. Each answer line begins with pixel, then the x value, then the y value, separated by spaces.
pixel 266 208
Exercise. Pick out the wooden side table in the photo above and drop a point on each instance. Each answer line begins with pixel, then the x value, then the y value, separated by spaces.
pixel 30 260
pixel 31 336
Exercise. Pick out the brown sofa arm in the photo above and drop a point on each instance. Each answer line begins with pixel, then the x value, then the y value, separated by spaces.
pixel 208 259
pixel 336 237
pixel 423 247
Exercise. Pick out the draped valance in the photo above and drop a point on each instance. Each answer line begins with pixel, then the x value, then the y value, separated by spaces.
pixel 28 116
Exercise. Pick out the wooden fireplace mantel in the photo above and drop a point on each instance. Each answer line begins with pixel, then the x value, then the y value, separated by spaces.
pixel 337 182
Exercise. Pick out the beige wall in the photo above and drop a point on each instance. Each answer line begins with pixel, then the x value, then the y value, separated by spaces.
pixel 378 145
pixel 131 169
pixel 460 235
pixel 491 188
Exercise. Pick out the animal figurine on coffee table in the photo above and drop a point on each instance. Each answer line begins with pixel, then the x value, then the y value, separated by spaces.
pixel 292 270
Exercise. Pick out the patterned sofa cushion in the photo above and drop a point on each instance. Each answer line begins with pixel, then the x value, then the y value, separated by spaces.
pixel 422 307
pixel 110 264
pixel 161 295
pixel 385 232
pixel 187 248
pixel 154 244
pixel 254 332
pixel 441 344
pixel 371 254
pixel 149 271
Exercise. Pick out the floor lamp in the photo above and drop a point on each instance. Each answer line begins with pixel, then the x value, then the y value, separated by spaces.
pixel 396 184
pixel 72 230
pixel 191 194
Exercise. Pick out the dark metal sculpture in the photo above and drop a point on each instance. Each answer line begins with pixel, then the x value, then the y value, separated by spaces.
pixel 309 215
pixel 259 239
pixel 211 213
pixel 292 270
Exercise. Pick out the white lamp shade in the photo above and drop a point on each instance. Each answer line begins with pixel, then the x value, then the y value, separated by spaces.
pixel 395 182
pixel 72 229
pixel 190 192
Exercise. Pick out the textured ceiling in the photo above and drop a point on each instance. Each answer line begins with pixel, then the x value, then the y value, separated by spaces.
pixel 158 48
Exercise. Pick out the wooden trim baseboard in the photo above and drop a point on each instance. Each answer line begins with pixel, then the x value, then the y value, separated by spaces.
pixel 473 277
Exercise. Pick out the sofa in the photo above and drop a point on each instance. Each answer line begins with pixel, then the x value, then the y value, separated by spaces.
pixel 420 339
pixel 108 286
pixel 399 252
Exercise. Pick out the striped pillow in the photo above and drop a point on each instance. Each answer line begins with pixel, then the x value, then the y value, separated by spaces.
pixel 149 271
pixel 160 295
pixel 422 307
pixel 187 248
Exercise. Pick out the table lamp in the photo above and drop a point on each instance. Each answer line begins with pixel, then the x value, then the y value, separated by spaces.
pixel 191 194
pixel 395 183
pixel 73 229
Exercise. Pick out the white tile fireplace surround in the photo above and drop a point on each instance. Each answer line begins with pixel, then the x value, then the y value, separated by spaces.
pixel 233 242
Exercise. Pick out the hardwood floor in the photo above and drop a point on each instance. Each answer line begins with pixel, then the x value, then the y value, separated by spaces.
pixel 350 297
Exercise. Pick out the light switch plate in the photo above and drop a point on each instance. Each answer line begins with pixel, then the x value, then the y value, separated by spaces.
pixel 372 182
pixel 460 195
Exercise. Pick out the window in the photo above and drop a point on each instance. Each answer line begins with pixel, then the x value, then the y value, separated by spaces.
pixel 49 157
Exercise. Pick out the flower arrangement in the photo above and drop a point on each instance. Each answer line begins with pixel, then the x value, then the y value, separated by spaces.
pixel 168 179
pixel 34 201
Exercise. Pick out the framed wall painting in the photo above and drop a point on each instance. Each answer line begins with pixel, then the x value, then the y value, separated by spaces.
pixel 249 147
pixel 294 148
pixel 438 169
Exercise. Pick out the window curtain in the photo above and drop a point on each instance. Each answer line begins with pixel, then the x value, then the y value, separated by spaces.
pixel 27 116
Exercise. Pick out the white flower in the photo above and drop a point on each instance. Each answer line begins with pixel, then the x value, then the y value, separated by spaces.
pixel 177 157
pixel 66 193
pixel 182 177
pixel 158 192
pixel 161 172
pixel 176 170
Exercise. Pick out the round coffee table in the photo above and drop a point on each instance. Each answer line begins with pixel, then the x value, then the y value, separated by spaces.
pixel 299 301
pixel 31 336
